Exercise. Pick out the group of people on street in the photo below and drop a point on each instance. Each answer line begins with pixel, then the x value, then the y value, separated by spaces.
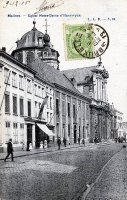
pixel 10 146
pixel 120 139
pixel 64 142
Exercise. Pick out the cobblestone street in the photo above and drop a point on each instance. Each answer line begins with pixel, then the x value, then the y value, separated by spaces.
pixel 112 184
pixel 58 175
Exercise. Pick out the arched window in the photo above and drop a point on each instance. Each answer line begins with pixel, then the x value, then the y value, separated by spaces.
pixel 30 57
pixel 45 54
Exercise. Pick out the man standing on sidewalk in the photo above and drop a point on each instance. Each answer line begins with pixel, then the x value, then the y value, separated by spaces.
pixel 59 142
pixel 9 150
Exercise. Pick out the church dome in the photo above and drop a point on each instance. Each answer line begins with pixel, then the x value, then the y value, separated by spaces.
pixel 33 38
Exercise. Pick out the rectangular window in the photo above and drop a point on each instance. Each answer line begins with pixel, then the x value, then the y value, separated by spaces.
pixel 47 116
pixel 21 83
pixel 74 114
pixel 28 86
pixel 29 108
pixel 68 106
pixel 63 108
pixel 47 89
pixel 7 124
pixel 51 103
pixel 7 131
pixel 39 90
pixel 35 89
pixel 21 104
pixel 15 105
pixel 7 103
pixel 35 104
pixel 42 92
pixel 36 109
pixel 48 102
pixel 39 106
pixel 6 76
pixel 50 118
pixel 69 130
pixel 14 79
pixel 21 133
pixel 57 106
pixel 15 133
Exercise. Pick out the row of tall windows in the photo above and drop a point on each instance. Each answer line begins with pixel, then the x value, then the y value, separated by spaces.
pixel 15 131
pixel 15 103
pixel 64 108
pixel 17 81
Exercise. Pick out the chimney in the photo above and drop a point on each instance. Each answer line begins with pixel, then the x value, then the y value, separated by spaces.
pixel 74 82
pixel 4 49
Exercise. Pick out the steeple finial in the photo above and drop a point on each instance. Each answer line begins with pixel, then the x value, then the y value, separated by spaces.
pixel 34 22
pixel 46 26
pixel 100 61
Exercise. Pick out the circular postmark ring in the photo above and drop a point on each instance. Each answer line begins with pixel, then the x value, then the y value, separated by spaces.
pixel 91 40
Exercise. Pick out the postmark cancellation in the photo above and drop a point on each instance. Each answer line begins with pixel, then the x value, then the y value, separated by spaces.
pixel 85 41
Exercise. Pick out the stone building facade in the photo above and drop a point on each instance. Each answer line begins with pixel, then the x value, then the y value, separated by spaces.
pixel 93 81
pixel 27 76
pixel 22 92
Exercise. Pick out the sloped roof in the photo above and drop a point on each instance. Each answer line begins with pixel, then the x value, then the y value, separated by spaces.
pixel 53 75
pixel 80 73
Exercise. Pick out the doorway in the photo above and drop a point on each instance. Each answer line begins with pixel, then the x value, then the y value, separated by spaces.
pixel 75 135
pixel 29 133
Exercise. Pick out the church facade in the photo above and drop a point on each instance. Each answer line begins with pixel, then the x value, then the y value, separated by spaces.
pixel 93 81
pixel 76 104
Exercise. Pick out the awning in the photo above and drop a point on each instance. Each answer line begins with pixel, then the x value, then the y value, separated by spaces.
pixel 45 129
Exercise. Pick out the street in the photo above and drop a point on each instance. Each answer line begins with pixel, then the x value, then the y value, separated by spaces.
pixel 58 175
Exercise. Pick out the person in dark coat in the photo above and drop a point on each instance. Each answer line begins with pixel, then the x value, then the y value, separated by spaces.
pixel 79 140
pixel 95 140
pixel 9 150
pixel 28 146
pixel 64 141
pixel 59 142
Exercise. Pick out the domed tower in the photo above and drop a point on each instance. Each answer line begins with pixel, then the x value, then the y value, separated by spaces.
pixel 35 44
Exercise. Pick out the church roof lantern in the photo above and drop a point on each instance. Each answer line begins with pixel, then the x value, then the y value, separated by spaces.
pixel 32 38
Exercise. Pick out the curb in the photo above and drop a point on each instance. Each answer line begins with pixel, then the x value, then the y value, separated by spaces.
pixel 54 150
pixel 87 191
pixel 34 153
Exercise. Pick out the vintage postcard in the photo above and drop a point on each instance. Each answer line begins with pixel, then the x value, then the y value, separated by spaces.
pixel 63 100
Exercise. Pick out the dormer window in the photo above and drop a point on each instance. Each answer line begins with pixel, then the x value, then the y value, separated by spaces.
pixel 45 54
pixel 39 40
pixel 30 57
pixel 20 56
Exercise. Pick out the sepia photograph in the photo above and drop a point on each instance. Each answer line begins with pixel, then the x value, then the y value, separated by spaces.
pixel 63 100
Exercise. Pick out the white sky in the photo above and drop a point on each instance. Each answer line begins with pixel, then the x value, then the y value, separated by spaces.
pixel 115 57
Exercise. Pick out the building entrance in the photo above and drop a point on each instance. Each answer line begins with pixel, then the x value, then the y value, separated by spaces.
pixel 29 133
pixel 40 136
pixel 75 134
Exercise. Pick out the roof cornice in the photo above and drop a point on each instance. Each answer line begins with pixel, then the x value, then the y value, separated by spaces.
pixel 12 59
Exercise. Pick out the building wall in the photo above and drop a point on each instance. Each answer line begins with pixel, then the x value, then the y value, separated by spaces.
pixel 22 86
pixel 72 115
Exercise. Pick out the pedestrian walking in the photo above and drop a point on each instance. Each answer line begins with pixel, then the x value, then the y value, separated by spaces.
pixel 28 146
pixel 83 141
pixel 64 141
pixel 79 140
pixel 9 150
pixel 59 142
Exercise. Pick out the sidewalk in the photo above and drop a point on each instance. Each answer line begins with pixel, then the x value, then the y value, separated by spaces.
pixel 49 149
pixel 112 182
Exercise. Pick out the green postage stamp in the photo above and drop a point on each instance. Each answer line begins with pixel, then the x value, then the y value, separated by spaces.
pixel 85 41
